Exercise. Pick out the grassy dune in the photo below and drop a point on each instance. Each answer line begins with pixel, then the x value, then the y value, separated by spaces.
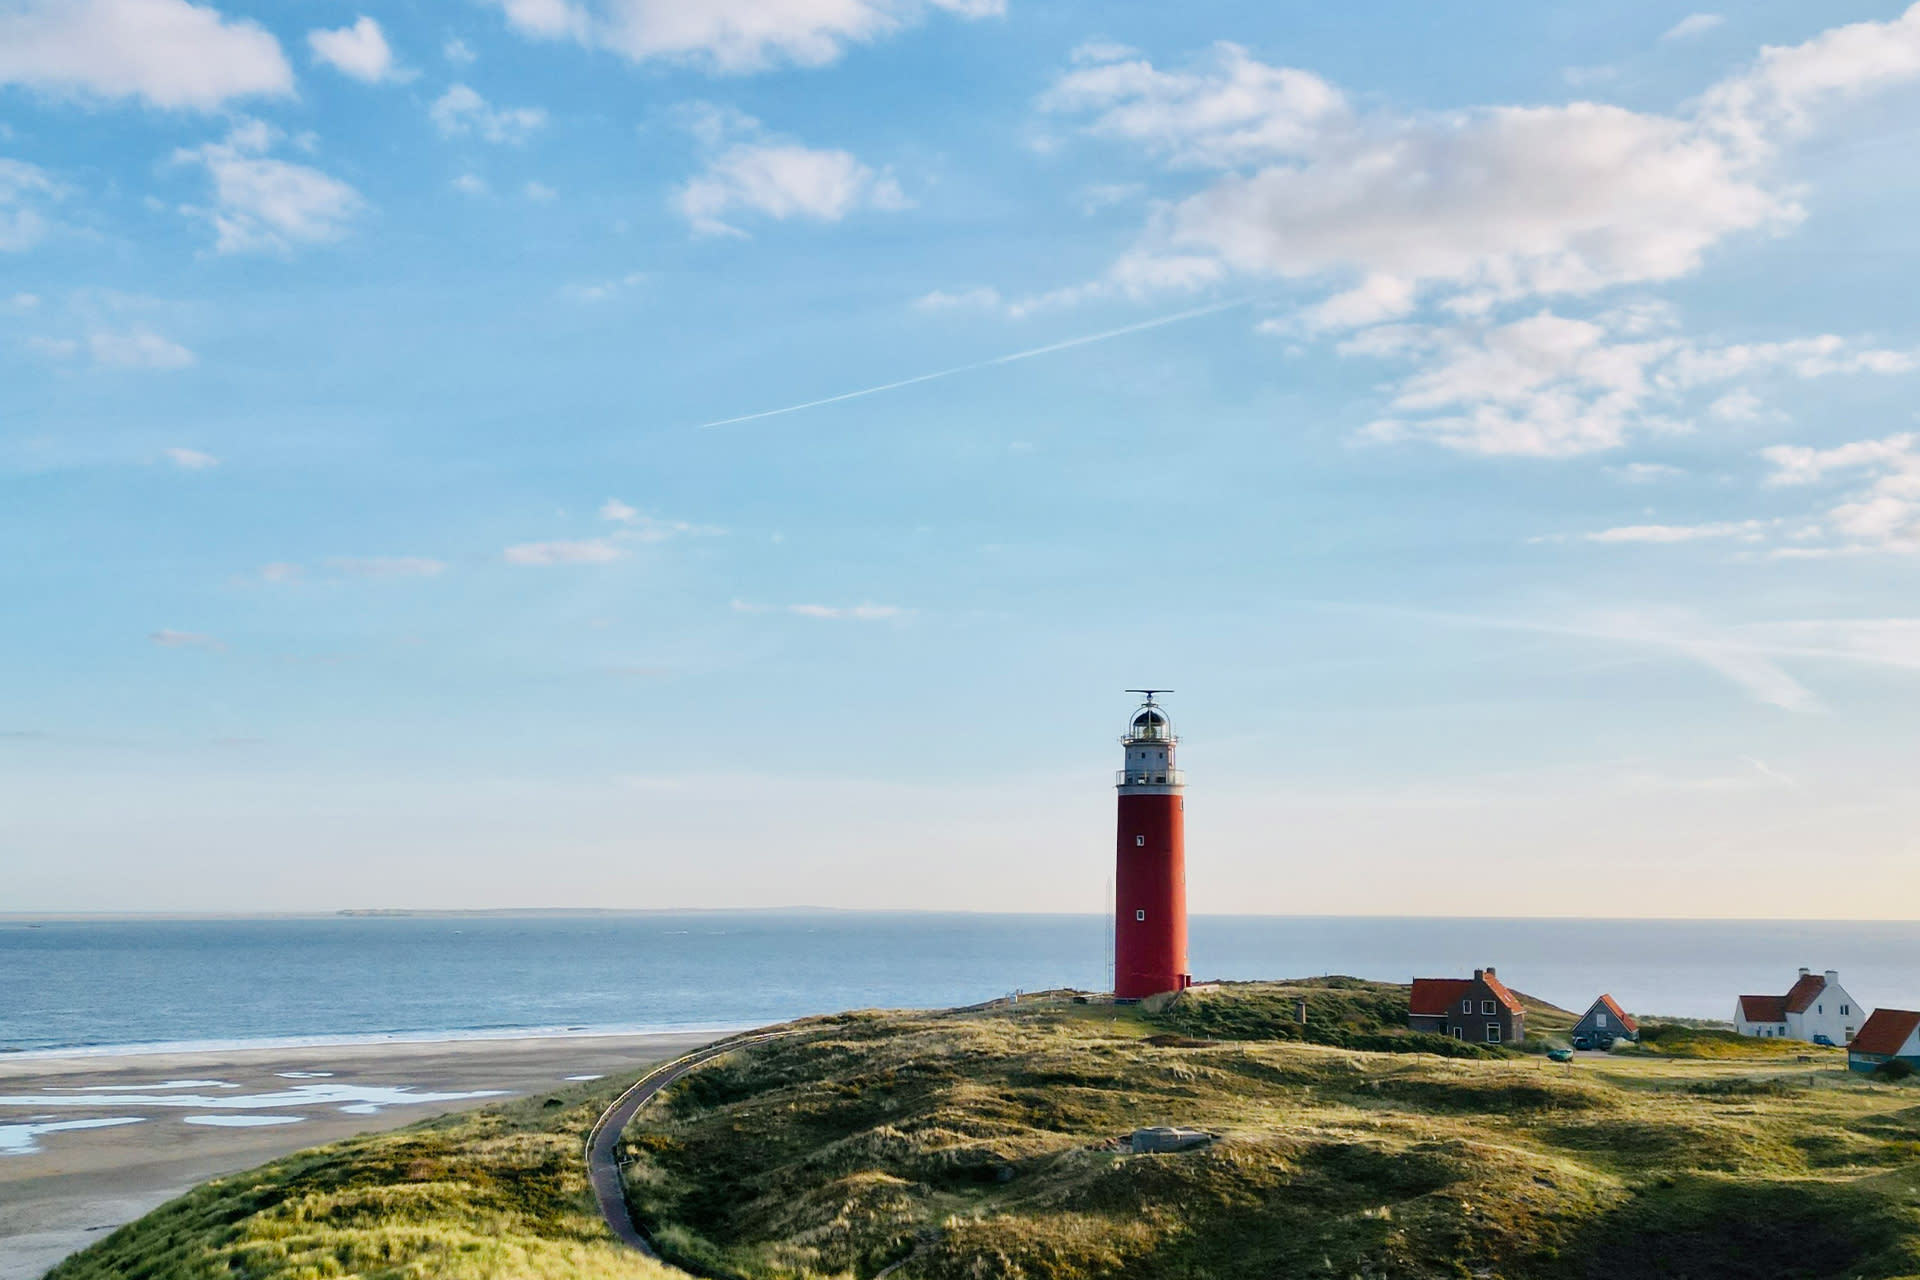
pixel 983 1145
pixel 499 1194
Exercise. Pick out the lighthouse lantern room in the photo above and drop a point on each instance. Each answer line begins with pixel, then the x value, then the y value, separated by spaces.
pixel 1150 871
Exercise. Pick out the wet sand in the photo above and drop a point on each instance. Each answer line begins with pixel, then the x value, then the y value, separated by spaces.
pixel 80 1183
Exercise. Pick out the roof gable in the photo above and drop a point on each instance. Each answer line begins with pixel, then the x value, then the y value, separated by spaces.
pixel 1763 1008
pixel 1886 1031
pixel 1612 1006
pixel 1804 992
pixel 1501 993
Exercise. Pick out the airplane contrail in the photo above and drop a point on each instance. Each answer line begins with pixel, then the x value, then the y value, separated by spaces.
pixel 1193 314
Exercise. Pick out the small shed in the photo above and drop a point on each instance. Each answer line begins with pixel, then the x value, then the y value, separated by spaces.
pixel 1604 1023
pixel 1889 1034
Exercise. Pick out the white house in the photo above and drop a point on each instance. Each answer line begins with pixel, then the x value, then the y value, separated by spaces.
pixel 1816 1006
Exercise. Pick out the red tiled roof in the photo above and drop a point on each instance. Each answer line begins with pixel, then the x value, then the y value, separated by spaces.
pixel 1804 991
pixel 1435 997
pixel 1613 1007
pixel 1886 1031
pixel 1763 1008
pixel 1499 989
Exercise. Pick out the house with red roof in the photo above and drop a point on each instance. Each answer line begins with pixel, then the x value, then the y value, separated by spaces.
pixel 1603 1024
pixel 1888 1035
pixel 1479 1009
pixel 1817 1007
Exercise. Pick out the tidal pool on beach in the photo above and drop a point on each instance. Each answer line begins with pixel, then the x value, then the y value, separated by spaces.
pixel 22 1139
pixel 354 1099
pixel 243 1122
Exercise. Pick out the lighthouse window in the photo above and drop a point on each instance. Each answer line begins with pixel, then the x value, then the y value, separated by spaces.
pixel 1141 914
pixel 1140 842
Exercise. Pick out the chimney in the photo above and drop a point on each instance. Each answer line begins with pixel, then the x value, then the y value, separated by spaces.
pixel 1490 972
pixel 1479 974
pixel 1804 971
pixel 1833 977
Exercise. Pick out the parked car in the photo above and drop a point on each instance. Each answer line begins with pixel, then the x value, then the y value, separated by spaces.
pixel 1581 1042
pixel 1560 1055
pixel 1824 1040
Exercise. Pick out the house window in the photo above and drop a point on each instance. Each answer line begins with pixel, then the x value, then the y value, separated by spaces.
pixel 1599 1019
pixel 1486 1008
pixel 1141 914
pixel 1844 1011
pixel 1819 1008
pixel 1493 1033
pixel 1459 1033
pixel 1466 1006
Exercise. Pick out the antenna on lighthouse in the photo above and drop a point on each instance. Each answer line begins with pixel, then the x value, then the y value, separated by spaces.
pixel 1149 692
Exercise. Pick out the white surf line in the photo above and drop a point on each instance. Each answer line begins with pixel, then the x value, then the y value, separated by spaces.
pixel 1084 340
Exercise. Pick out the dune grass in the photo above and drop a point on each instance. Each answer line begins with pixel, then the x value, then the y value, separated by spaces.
pixel 991 1144
pixel 497 1194
pixel 986 1145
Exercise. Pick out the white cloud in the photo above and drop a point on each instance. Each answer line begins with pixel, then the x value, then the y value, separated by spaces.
pixel 1815 357
pixel 460 112
pixel 1881 516
pixel 1737 406
pixel 639 529
pixel 1776 99
pixel 777 179
pixel 167 53
pixel 170 639
pixel 280 572
pixel 581 551
pixel 25 191
pixel 1794 464
pixel 264 203
pixel 360 51
pixel 190 459
pixel 1551 386
pixel 1744 530
pixel 1692 25
pixel 1373 300
pixel 470 184
pixel 1646 472
pixel 1232 110
pixel 137 350
pixel 1464 208
pixel 729 36
pixel 943 300
pixel 539 192
pixel 458 52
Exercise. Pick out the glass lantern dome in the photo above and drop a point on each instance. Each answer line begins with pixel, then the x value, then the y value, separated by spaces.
pixel 1150 724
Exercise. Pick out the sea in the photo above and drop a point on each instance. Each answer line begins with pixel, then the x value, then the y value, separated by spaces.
pixel 121 985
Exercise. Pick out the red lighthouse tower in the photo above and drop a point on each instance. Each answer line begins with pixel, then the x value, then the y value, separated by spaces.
pixel 1150 871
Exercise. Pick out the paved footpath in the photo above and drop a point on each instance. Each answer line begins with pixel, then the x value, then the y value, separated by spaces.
pixel 603 1142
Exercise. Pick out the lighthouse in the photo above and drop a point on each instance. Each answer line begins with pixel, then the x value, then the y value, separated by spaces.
pixel 1150 860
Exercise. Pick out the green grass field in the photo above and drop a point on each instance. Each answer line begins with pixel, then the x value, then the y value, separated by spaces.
pixel 499 1194
pixel 986 1145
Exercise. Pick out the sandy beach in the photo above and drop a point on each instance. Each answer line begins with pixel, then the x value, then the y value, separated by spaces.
pixel 90 1142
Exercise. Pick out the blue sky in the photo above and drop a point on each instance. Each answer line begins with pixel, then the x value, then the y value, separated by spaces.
pixel 1498 426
